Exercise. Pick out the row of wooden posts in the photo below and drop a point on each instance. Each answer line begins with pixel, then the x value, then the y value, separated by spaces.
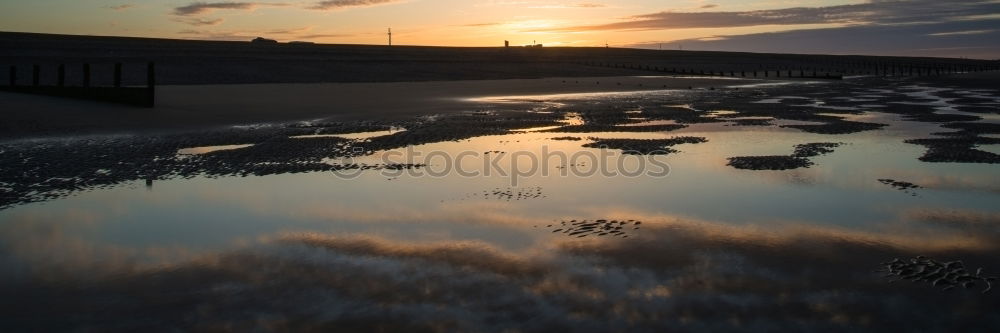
pixel 836 74
pixel 140 96
pixel 910 68
pixel 732 73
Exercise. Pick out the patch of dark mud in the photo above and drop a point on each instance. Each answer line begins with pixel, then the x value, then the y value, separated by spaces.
pixel 945 275
pixel 924 113
pixel 751 122
pixel 979 109
pixel 798 159
pixel 644 146
pixel 507 194
pixel 323 128
pixel 815 149
pixel 588 128
pixel 941 117
pixel 567 138
pixel 830 124
pixel 975 128
pixel 774 162
pixel 959 155
pixel 678 114
pixel 798 113
pixel 905 187
pixel 39 170
pixel 596 228
pixel 837 127
pixel 957 148
pixel 906 109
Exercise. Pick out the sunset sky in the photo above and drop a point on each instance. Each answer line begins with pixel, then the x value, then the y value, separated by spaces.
pixel 897 27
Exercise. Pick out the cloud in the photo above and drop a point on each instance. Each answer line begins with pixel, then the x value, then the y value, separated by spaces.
pixel 198 8
pixel 288 31
pixel 338 4
pixel 882 39
pixel 121 7
pixel 874 12
pixel 481 24
pixel 709 6
pixel 563 6
pixel 198 22
pixel 976 222
pixel 218 35
pixel 318 36
pixel 966 32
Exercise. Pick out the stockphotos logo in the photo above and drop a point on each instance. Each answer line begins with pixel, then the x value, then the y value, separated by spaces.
pixel 514 165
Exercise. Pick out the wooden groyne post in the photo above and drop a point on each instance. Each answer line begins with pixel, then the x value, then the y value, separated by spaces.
pixel 150 84
pixel 61 80
pixel 138 96
pixel 86 75
pixel 118 75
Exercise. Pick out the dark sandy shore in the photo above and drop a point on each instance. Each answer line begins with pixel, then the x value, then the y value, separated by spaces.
pixel 204 106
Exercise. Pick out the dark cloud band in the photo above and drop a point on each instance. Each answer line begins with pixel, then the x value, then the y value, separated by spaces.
pixel 874 12
pixel 337 4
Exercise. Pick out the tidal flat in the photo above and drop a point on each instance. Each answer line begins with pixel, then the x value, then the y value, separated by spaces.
pixel 807 205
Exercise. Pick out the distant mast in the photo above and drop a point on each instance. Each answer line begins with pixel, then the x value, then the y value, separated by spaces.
pixel 390 36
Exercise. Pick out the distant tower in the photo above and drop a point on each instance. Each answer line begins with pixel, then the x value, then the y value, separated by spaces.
pixel 506 43
pixel 390 36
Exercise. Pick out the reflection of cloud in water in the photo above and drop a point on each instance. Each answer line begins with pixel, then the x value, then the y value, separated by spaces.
pixel 976 223
pixel 681 276
pixel 958 182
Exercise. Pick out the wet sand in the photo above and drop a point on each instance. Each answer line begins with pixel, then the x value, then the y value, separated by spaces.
pixel 206 106
pixel 234 229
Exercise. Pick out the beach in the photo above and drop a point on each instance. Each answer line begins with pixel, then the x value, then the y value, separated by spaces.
pixel 601 200
pixel 188 107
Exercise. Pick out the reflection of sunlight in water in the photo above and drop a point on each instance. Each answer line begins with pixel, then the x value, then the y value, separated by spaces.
pixel 352 136
pixel 778 100
pixel 648 123
pixel 717 113
pixel 552 99
pixel 990 148
pixel 683 106
pixel 571 119
pixel 209 149
pixel 536 129
pixel 776 84
pixel 416 207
